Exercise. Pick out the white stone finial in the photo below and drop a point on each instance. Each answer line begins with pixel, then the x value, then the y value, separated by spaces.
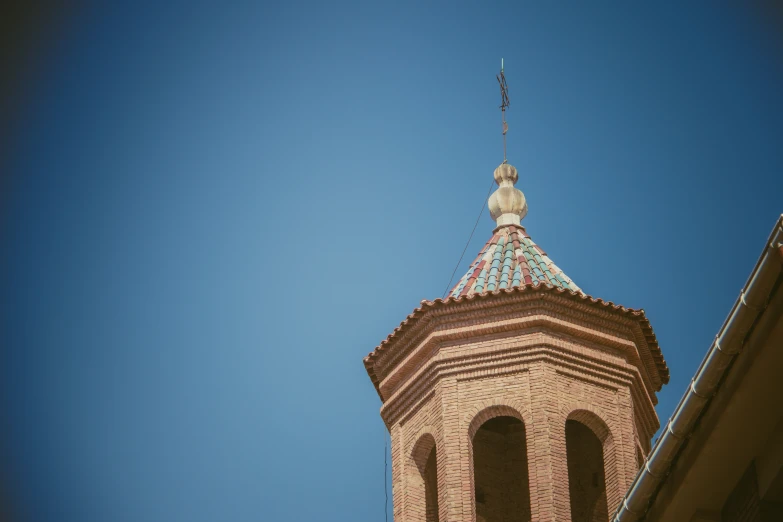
pixel 507 204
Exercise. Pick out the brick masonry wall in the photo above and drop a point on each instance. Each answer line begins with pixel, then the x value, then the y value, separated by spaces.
pixel 543 376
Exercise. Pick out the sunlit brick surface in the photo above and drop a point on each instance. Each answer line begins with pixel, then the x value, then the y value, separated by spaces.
pixel 540 357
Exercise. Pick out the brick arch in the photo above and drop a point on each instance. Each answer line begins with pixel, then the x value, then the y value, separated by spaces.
pixel 421 448
pixel 421 501
pixel 572 407
pixel 487 410
pixel 594 419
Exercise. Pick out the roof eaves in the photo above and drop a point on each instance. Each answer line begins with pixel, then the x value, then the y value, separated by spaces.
pixel 742 319
pixel 412 319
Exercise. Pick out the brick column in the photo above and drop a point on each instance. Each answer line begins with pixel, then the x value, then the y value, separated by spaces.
pixel 625 447
pixel 452 452
pixel 546 478
pixel 397 471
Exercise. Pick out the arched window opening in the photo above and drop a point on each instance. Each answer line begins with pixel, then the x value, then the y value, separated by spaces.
pixel 586 478
pixel 422 482
pixel 431 487
pixel 500 472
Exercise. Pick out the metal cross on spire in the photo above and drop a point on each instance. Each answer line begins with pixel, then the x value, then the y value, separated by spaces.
pixel 504 103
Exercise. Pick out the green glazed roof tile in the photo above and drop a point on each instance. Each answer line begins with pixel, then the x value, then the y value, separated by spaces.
pixel 511 259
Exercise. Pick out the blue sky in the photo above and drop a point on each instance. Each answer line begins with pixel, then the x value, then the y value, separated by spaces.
pixel 211 215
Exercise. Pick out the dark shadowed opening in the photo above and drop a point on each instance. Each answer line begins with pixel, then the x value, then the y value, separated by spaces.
pixel 500 474
pixel 431 487
pixel 421 490
pixel 586 480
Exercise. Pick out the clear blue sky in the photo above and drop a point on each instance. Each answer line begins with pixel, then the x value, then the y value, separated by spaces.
pixel 211 215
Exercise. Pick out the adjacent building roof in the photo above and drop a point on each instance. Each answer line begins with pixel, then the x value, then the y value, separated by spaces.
pixel 510 259
pixel 743 341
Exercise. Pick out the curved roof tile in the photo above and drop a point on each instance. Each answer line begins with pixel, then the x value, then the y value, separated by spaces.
pixel 510 259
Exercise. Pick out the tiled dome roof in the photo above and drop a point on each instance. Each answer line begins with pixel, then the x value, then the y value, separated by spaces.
pixel 511 259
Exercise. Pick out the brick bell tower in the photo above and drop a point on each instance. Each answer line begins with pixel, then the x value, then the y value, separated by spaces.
pixel 519 397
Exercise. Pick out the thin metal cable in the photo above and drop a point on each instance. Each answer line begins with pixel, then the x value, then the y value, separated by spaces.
pixel 483 204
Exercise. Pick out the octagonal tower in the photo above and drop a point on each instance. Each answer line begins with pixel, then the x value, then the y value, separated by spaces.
pixel 518 397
